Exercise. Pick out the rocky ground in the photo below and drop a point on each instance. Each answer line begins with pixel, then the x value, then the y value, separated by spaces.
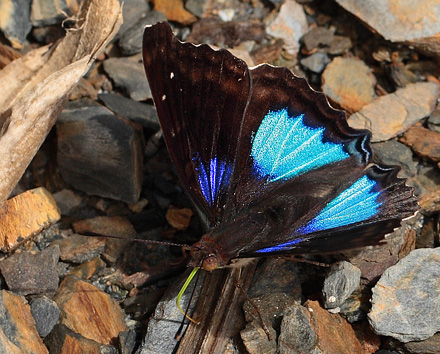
pixel 82 151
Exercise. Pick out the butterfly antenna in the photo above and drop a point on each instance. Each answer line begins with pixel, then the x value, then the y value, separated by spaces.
pixel 153 242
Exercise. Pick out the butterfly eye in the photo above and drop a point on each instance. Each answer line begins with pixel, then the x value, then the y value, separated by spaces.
pixel 210 263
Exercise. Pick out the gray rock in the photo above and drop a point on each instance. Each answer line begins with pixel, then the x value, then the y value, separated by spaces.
pixel 342 280
pixel 340 45
pixel 32 274
pixel 297 336
pixel 45 313
pixel 397 21
pixel 290 25
pixel 394 153
pixel 48 12
pixel 319 36
pixel 132 11
pixel 131 41
pixel 127 342
pixel 406 300
pixel 256 340
pixel 392 114
pixel 316 62
pixel 98 152
pixel 67 201
pixel 197 7
pixel 138 112
pixel 129 75
pixel 15 23
pixel 167 318
pixel 434 121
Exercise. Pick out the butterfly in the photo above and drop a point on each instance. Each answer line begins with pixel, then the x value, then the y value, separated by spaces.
pixel 271 168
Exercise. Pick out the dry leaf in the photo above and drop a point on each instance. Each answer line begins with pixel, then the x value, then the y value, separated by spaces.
pixel 36 86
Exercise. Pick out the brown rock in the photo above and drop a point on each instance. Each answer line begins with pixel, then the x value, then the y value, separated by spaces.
pixel 18 333
pixel 88 311
pixel 31 274
pixel 349 83
pixel 430 203
pixel 26 215
pixel 424 142
pixel 179 218
pixel 64 340
pixel 79 249
pixel 333 333
pixel 88 269
pixel 109 225
pixel 175 11
pixel 391 115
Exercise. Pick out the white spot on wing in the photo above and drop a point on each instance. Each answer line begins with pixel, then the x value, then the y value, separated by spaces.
pixel 164 97
pixel 171 75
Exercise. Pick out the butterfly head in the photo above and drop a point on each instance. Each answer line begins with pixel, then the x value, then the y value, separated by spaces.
pixel 205 255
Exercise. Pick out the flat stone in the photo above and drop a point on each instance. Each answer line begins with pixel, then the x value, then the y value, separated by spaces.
pixel 395 20
pixel 18 333
pixel 341 281
pixel 26 215
pixel 408 313
pixel 394 153
pixel 90 135
pixel 15 21
pixel 32 274
pixel 109 225
pixel 79 249
pixel 45 313
pixel 63 340
pixel 349 83
pixel 88 311
pixel 144 114
pixel 131 41
pixel 392 114
pixel 129 75
pixel 48 12
pixel 424 142
pixel 317 37
pixel 290 25
pixel 316 62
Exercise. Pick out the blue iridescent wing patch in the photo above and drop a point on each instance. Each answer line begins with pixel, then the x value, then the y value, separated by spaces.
pixel 356 204
pixel 285 147
pixel 212 178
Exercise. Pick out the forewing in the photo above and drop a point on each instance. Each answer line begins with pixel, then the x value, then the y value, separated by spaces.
pixel 200 95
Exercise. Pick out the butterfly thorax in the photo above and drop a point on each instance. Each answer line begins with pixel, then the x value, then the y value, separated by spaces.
pixel 230 240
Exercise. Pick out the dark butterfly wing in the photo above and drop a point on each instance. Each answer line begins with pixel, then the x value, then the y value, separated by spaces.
pixel 200 95
pixel 265 157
